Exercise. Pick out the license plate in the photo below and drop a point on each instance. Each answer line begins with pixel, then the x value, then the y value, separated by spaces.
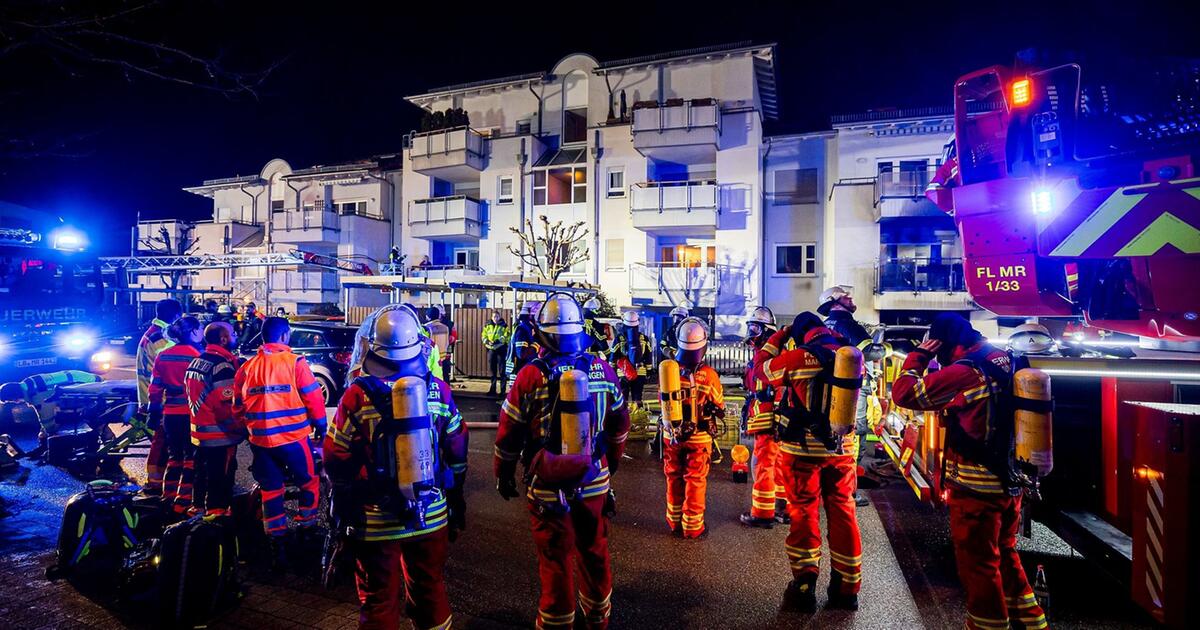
pixel 36 362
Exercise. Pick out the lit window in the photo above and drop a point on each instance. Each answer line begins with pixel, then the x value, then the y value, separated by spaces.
pixel 616 182
pixel 504 192
pixel 798 259
pixel 560 185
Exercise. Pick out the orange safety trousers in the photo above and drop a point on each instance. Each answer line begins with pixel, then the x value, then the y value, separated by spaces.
pixel 984 531
pixel 830 480
pixel 686 466
pixel 768 481
pixel 578 537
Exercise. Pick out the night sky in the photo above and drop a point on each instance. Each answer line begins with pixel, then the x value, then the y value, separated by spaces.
pixel 338 92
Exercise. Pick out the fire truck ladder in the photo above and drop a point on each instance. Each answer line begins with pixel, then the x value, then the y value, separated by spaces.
pixel 155 264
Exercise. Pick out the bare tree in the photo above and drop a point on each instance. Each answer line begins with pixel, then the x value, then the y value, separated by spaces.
pixel 162 244
pixel 561 247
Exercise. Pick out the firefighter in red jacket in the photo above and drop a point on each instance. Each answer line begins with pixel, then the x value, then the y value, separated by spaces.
pixel 983 492
pixel 816 466
pixel 768 498
pixel 400 536
pixel 689 443
pixel 154 341
pixel 169 410
pixel 215 432
pixel 280 402
pixel 569 446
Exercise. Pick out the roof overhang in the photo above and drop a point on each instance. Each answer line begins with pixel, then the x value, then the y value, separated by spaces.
pixel 425 100
pixel 211 186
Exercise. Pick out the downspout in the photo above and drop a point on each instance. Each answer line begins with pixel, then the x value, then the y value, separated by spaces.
pixel 596 153
pixel 762 227
pixel 522 157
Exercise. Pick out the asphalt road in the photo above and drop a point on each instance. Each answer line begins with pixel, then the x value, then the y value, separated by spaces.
pixel 733 579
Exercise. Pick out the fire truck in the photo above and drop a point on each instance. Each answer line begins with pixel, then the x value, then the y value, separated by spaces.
pixel 1076 196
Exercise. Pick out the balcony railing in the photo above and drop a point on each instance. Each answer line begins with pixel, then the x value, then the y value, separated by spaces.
pixel 903 184
pixel 685 132
pixel 674 283
pixel 454 154
pixel 307 218
pixel 676 114
pixel 305 281
pixel 661 206
pixel 920 274
pixel 446 218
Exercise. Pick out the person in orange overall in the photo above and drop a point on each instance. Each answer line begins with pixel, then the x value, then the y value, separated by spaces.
pixel 816 466
pixel 154 341
pixel 688 448
pixel 169 409
pixel 768 498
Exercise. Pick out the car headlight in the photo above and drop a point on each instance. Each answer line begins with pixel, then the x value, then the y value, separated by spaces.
pixel 76 342
pixel 102 361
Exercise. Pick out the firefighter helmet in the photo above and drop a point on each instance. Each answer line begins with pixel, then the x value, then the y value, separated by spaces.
pixel 693 342
pixel 12 392
pixel 1031 339
pixel 680 311
pixel 631 319
pixel 831 295
pixel 395 346
pixel 531 308
pixel 593 304
pixel 560 325
pixel 762 315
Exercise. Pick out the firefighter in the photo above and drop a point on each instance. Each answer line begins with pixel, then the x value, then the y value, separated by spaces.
pixel 276 396
pixel 35 398
pixel 1032 339
pixel 597 331
pixel 495 339
pixel 215 432
pixel 668 346
pixel 633 356
pixel 815 465
pixel 154 341
pixel 522 345
pixel 768 498
pixel 169 410
pixel 567 480
pixel 688 446
pixel 445 336
pixel 837 307
pixel 400 541
pixel 984 491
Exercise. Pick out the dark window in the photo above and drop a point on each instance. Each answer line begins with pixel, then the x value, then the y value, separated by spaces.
pixel 575 125
pixel 796 260
pixel 307 339
pixel 793 186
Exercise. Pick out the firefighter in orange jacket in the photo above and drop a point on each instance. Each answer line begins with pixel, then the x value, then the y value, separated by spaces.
pixel 568 490
pixel 154 341
pixel 169 410
pixel 400 541
pixel 215 432
pixel 688 446
pixel 768 498
pixel 816 466
pixel 280 402
pixel 983 489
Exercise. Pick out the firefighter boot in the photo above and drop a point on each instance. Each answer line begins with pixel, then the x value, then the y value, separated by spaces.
pixel 781 512
pixel 750 520
pixel 279 556
pixel 838 599
pixel 801 594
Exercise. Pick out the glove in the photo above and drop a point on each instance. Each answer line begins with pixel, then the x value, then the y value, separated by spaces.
pixel 319 428
pixel 507 487
pixel 610 504
pixel 458 511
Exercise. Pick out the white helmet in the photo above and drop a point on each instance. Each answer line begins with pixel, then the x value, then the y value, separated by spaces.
pixel 593 304
pixel 395 345
pixel 631 318
pixel 833 294
pixel 560 324
pixel 531 308
pixel 762 315
pixel 1030 339
pixel 692 334
pixel 224 309
pixel 680 312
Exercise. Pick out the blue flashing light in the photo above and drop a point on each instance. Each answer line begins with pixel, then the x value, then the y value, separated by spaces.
pixel 1043 203
pixel 68 239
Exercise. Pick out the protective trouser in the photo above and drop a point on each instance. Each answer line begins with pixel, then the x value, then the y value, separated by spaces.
pixel 215 470
pixel 272 467
pixel 633 389
pixel 177 482
pixel 156 459
pixel 809 482
pixel 496 358
pixel 581 535
pixel 410 569
pixel 686 466
pixel 768 483
pixel 984 531
pixel 861 426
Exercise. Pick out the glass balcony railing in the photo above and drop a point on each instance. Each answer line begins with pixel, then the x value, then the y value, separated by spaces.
pixel 920 274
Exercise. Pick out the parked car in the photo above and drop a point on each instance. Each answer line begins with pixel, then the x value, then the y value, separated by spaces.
pixel 326 346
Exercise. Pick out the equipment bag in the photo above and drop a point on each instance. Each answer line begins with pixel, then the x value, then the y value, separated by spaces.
pixel 100 526
pixel 794 418
pixel 197 571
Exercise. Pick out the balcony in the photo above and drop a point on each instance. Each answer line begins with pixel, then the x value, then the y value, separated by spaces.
pixel 684 132
pixel 454 218
pixel 304 225
pixel 675 208
pixel 901 193
pixel 454 155
pixel 671 284
pixel 305 286
pixel 921 284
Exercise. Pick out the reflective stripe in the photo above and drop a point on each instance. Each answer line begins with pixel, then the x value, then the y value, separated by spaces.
pixel 276 430
pixel 281 413
pixel 268 389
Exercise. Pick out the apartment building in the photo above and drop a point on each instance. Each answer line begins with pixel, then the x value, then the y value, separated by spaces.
pixel 659 157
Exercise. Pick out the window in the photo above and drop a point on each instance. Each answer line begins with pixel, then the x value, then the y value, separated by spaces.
pixel 614 254
pixel 467 258
pixel 276 205
pixel 793 186
pixel 616 181
pixel 903 179
pixel 796 259
pixel 504 191
pixel 685 255
pixel 574 125
pixel 504 258
pixel 351 207
pixel 524 127
pixel 560 185
pixel 307 339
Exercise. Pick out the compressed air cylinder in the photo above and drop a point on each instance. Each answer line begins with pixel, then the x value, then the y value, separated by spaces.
pixel 575 420
pixel 670 392
pixel 412 444
pixel 1035 446
pixel 843 401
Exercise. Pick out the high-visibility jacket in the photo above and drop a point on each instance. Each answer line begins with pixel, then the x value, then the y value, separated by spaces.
pixel 40 390
pixel 153 341
pixel 760 409
pixel 796 370
pixel 277 397
pixel 645 354
pixel 494 335
pixel 347 448
pixel 167 395
pixel 701 389
pixel 209 387
pixel 522 348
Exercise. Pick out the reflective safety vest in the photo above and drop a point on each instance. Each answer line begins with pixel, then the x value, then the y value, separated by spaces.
pixel 40 390
pixel 166 383
pixel 209 387
pixel 494 335
pixel 276 395
pixel 153 341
